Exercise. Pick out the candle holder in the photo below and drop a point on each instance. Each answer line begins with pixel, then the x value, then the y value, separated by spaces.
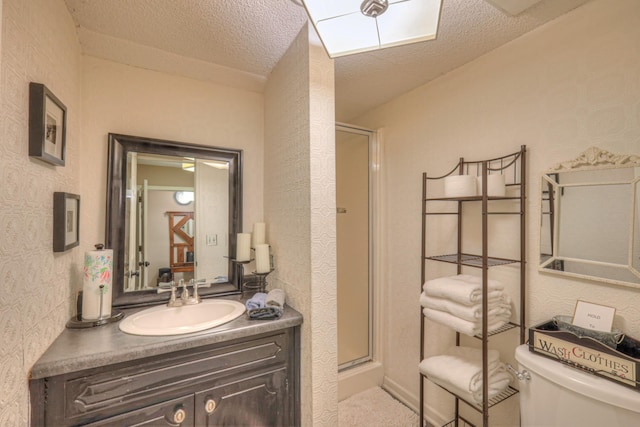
pixel 257 285
pixel 239 267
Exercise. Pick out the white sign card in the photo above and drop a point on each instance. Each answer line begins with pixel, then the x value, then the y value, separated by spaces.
pixel 593 316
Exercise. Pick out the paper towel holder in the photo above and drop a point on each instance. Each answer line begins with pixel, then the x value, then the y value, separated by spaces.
pixel 76 321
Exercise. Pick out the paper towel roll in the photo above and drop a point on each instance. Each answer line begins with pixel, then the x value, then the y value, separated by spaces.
pixel 98 267
pixel 460 186
pixel 495 185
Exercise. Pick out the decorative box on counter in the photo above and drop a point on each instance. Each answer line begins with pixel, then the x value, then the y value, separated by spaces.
pixel 619 363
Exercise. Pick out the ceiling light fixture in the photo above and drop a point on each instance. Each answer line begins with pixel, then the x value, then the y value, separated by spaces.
pixel 189 164
pixel 373 8
pixel 353 26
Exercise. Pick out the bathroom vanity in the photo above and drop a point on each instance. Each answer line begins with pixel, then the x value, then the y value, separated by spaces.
pixel 240 373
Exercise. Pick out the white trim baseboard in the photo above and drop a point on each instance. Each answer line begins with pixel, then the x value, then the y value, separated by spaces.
pixel 360 378
pixel 412 401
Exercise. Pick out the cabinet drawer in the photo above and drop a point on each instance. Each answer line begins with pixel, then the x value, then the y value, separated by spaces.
pixel 174 413
pixel 127 386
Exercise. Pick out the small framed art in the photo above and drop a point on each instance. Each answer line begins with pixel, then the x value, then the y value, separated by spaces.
pixel 66 221
pixel 47 125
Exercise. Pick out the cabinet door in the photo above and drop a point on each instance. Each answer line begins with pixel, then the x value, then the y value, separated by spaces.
pixel 99 393
pixel 176 413
pixel 259 400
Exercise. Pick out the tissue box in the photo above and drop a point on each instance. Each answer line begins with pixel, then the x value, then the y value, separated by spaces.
pixel 621 365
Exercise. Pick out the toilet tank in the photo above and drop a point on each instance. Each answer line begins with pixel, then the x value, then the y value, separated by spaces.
pixel 559 395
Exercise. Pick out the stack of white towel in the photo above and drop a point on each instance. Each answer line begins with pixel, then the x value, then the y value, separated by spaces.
pixel 459 370
pixel 456 302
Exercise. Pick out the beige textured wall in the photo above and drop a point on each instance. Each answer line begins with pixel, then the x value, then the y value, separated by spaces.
pixel 560 89
pixel 39 44
pixel 299 193
pixel 122 99
pixel 323 234
pixel 1 6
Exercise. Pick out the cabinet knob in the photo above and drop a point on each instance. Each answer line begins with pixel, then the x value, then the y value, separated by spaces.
pixel 179 416
pixel 210 406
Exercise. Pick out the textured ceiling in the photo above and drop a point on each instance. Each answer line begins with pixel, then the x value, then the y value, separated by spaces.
pixel 238 42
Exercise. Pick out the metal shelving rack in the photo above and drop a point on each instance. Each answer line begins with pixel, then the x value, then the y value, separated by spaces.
pixel 514 167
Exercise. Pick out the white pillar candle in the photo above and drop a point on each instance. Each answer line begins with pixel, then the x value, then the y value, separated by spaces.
pixel 96 286
pixel 263 263
pixel 243 247
pixel 259 234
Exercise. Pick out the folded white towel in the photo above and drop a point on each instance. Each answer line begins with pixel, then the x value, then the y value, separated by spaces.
pixel 497 307
pixel 465 395
pixel 463 372
pixel 459 370
pixel 465 326
pixel 467 364
pixel 498 382
pixel 463 288
pixel 494 388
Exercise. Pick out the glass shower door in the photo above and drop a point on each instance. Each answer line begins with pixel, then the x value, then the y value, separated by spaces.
pixel 353 246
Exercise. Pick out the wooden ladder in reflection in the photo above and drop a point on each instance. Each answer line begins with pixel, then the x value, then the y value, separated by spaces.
pixel 180 242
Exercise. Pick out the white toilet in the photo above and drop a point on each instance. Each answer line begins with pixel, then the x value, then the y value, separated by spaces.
pixel 559 395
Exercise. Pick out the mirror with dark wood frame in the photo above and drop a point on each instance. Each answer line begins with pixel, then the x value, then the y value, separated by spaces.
pixel 173 212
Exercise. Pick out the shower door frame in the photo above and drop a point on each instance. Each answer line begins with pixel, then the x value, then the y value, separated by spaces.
pixel 373 176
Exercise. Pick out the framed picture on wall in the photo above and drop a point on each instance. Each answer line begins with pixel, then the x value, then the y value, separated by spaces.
pixel 66 221
pixel 47 125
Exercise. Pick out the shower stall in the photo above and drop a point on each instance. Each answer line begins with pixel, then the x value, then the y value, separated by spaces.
pixel 356 175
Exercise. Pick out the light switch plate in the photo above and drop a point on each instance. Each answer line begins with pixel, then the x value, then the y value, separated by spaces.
pixel 212 240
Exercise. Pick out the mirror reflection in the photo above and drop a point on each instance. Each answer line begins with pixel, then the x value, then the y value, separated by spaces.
pixel 187 227
pixel 162 201
pixel 590 222
pixel 172 215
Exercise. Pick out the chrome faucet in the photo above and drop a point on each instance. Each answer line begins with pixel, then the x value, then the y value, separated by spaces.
pixel 185 299
pixel 184 296
pixel 195 299
pixel 173 301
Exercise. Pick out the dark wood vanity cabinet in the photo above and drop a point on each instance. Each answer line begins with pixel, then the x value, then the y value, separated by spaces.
pixel 245 382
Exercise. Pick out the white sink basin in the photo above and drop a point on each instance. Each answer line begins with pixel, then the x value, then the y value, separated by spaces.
pixel 163 320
